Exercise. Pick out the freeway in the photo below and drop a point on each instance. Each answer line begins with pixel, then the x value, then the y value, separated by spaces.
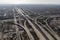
pixel 33 25
pixel 51 32
pixel 28 32
pixel 46 33
pixel 40 36
pixel 49 29
pixel 32 28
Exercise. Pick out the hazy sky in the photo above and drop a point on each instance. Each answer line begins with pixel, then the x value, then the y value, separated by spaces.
pixel 29 1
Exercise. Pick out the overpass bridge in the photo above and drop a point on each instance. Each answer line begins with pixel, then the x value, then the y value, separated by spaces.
pixel 32 29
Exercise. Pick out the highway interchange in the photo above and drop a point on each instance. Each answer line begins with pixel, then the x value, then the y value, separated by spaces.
pixel 41 31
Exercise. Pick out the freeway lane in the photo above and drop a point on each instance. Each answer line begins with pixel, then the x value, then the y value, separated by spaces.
pixel 41 33
pixel 51 31
pixel 41 27
pixel 40 36
pixel 28 32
